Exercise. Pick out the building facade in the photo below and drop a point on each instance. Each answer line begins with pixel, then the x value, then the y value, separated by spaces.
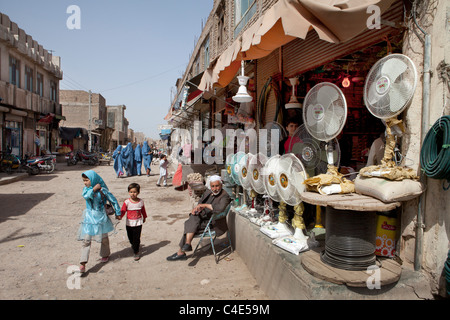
pixel 29 91
pixel 118 121
pixel 83 109
pixel 280 40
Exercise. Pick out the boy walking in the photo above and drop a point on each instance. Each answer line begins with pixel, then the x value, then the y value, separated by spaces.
pixel 134 208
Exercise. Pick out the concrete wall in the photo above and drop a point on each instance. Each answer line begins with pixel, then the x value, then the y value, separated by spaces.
pixel 433 18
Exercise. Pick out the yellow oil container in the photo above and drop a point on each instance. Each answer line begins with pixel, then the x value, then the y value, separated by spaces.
pixel 386 236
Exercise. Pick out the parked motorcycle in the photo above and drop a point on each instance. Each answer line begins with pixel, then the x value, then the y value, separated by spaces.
pixel 71 158
pixel 43 164
pixel 87 158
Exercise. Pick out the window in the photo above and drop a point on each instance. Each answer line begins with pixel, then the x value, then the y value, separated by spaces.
pixel 206 48
pixel 220 29
pixel 53 90
pixel 40 84
pixel 244 10
pixel 28 78
pixel 14 71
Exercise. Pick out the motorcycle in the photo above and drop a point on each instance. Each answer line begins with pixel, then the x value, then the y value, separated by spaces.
pixel 43 164
pixel 71 158
pixel 87 158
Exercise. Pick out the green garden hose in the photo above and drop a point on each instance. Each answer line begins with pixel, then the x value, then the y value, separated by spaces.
pixel 435 152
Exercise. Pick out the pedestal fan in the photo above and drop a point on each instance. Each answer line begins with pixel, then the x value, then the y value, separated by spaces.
pixel 388 91
pixel 235 172
pixel 290 176
pixel 281 228
pixel 312 153
pixel 324 116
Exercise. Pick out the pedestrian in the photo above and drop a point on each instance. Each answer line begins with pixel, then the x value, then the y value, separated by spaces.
pixel 127 156
pixel 163 163
pixel 134 208
pixel 95 223
pixel 118 161
pixel 138 159
pixel 147 154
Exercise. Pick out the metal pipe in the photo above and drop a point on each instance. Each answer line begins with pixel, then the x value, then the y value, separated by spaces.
pixel 418 250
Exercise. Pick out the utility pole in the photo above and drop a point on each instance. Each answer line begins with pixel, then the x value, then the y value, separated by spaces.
pixel 90 122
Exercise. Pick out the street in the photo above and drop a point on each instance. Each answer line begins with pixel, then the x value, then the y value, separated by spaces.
pixel 39 220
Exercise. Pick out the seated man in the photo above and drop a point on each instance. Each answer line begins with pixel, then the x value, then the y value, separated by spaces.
pixel 212 201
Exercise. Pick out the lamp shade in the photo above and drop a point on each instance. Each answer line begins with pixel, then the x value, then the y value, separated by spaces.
pixel 242 94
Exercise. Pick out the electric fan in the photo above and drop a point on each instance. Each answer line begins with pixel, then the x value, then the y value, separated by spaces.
pixel 324 115
pixel 388 91
pixel 235 172
pixel 245 180
pixel 312 154
pixel 290 176
pixel 275 134
pixel 256 172
pixel 228 182
pixel 281 228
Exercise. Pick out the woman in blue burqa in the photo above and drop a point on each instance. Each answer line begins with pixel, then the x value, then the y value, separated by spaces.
pixel 95 223
pixel 147 154
pixel 128 159
pixel 138 159
pixel 118 161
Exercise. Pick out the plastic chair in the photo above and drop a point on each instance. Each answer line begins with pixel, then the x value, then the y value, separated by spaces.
pixel 209 232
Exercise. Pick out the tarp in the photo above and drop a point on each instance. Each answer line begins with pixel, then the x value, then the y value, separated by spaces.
pixel 72 133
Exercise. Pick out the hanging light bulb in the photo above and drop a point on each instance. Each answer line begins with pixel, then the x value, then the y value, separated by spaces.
pixel 293 102
pixel 242 94
pixel 346 82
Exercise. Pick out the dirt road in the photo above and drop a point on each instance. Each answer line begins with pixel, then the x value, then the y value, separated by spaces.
pixel 39 218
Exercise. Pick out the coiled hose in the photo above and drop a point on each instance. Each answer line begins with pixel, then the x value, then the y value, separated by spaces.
pixel 435 152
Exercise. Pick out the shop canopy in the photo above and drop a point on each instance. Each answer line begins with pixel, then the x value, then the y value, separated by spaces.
pixel 335 21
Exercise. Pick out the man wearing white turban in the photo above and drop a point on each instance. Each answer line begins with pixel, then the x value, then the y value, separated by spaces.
pixel 212 201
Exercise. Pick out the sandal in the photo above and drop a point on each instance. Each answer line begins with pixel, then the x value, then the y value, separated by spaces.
pixel 104 260
pixel 82 269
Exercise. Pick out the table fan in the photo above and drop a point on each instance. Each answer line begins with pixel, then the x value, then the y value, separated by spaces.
pixel 244 178
pixel 235 172
pixel 290 176
pixel 255 171
pixel 281 228
pixel 388 91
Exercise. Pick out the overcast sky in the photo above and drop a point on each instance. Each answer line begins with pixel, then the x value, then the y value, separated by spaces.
pixel 131 52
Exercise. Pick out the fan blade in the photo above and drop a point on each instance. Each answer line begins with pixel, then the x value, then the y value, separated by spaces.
pixel 399 95
pixel 326 95
pixel 299 177
pixel 311 119
pixel 372 95
pixel 392 68
pixel 333 120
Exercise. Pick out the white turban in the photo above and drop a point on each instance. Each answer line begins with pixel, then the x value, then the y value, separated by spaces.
pixel 215 178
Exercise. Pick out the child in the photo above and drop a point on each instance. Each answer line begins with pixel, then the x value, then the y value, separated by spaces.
pixel 95 224
pixel 163 163
pixel 136 216
pixel 291 126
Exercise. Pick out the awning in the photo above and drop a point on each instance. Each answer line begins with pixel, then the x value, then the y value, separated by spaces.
pixel 335 21
pixel 47 119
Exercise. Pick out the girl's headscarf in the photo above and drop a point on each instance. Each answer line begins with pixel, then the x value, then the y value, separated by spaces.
pixel 95 178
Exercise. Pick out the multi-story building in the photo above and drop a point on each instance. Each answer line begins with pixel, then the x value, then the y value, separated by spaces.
pixel 87 110
pixel 29 92
pixel 117 120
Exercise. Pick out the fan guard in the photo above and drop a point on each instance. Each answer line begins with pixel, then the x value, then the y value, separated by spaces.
pixel 269 175
pixel 244 173
pixel 390 86
pixel 290 175
pixel 312 152
pixel 325 111
pixel 256 171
